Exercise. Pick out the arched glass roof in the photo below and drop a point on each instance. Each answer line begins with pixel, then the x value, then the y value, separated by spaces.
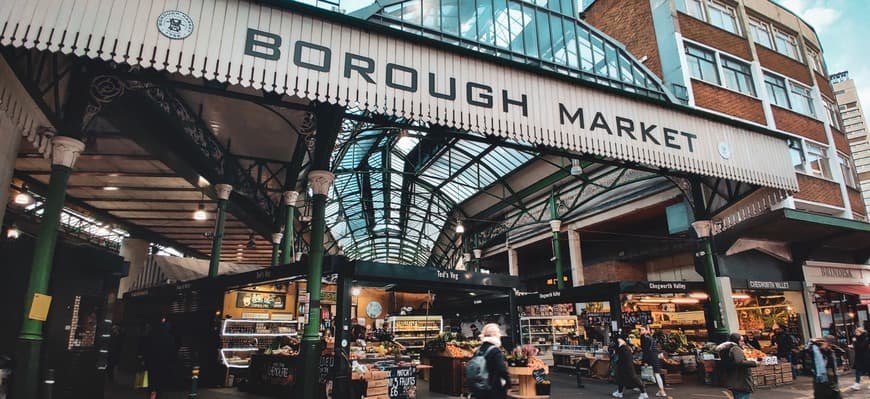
pixel 538 32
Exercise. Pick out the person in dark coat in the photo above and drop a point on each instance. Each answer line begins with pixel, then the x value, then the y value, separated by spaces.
pixel 496 366
pixel 116 343
pixel 826 384
pixel 736 367
pixel 159 356
pixel 785 345
pixel 861 345
pixel 752 340
pixel 652 357
pixel 626 377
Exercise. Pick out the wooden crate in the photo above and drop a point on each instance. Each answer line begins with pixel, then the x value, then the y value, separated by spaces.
pixel 376 391
pixel 672 378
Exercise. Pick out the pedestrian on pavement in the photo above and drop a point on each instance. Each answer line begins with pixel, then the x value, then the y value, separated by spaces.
pixel 116 343
pixel 652 356
pixel 626 377
pixel 861 345
pixel 738 379
pixel 825 381
pixel 490 349
pixel 785 344
pixel 160 356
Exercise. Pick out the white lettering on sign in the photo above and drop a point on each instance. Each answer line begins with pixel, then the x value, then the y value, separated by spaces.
pixel 446 274
pixel 550 295
pixel 667 286
pixel 779 285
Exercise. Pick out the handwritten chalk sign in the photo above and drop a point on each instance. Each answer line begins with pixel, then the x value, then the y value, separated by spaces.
pixel 326 368
pixel 540 375
pixel 402 382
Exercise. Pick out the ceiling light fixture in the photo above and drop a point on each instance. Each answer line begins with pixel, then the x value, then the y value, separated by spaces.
pixel 13 233
pixel 684 300
pixel 699 295
pixel 200 213
pixel 739 296
pixel 111 188
pixel 23 197
pixel 459 227
pixel 576 169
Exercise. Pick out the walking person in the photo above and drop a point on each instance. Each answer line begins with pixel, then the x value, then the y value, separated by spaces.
pixel 825 381
pixel 652 357
pixel 785 345
pixel 861 345
pixel 116 343
pixel 159 355
pixel 738 379
pixel 493 371
pixel 626 377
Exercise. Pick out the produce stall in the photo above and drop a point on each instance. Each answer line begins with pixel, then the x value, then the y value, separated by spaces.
pixel 448 356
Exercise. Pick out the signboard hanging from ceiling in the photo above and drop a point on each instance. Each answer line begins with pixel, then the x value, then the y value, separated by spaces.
pixel 303 54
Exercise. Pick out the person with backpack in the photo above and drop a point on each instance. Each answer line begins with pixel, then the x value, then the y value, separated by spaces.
pixel 626 377
pixel 486 373
pixel 652 357
pixel 826 384
pixel 736 367
pixel 861 345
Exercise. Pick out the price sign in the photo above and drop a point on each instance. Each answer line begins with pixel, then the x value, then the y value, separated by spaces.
pixel 402 382
pixel 326 370
pixel 540 375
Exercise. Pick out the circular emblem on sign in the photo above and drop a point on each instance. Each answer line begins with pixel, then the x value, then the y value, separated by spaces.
pixel 724 151
pixel 174 24
pixel 373 309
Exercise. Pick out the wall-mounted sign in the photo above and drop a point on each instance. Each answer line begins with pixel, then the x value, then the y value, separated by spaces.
pixel 260 300
pixel 836 273
pixel 773 285
pixel 308 56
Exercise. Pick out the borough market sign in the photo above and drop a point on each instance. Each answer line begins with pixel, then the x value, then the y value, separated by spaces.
pixel 304 54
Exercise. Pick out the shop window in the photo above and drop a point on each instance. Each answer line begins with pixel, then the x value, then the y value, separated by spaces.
pixel 760 33
pixel 776 91
pixel 817 161
pixel 802 100
pixel 738 76
pixel 702 64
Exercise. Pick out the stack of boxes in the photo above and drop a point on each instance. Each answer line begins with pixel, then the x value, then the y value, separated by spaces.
pixel 772 375
pixel 376 384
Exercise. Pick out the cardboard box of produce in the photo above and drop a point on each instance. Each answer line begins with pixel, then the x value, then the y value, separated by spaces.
pixel 376 391
pixel 376 383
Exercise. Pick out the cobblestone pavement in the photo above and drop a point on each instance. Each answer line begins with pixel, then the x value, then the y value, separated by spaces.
pixel 563 387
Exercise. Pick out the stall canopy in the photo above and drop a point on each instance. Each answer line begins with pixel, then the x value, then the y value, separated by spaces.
pixel 162 270
pixel 862 291
pixel 451 111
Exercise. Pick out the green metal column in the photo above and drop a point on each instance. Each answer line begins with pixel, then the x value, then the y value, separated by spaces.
pixel 555 225
pixel 719 332
pixel 276 244
pixel 290 198
pixel 329 118
pixel 223 193
pixel 29 348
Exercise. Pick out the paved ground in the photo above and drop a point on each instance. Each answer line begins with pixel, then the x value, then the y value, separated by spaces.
pixel 564 387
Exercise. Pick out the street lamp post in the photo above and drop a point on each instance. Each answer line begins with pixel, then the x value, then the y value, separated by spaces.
pixel 704 231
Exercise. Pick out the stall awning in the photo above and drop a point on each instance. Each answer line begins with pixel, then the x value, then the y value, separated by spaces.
pixel 328 57
pixel 862 291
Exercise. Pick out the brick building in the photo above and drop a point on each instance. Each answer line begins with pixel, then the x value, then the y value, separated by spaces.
pixel 757 62
pixel 855 126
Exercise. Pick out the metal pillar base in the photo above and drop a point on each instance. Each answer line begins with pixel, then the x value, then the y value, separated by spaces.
pixel 309 353
pixel 25 383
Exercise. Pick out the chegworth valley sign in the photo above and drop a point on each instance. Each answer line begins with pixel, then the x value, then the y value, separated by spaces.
pixel 301 53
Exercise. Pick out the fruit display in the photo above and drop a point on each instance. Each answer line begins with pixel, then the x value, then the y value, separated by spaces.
pixel 751 353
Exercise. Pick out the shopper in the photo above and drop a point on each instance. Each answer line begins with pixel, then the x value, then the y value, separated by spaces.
pixel 861 345
pixel 785 344
pixel 626 377
pixel 736 367
pixel 752 340
pixel 825 381
pixel 652 357
pixel 490 349
pixel 159 355
pixel 116 344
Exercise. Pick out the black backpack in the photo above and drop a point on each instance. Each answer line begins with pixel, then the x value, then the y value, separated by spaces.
pixel 476 373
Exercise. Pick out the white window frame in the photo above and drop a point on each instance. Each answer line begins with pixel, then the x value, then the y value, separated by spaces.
pixel 704 5
pixel 791 39
pixel 784 88
pixel 848 168
pixel 833 114
pixel 825 173
pixel 714 61
pixel 797 98
pixel 816 61
pixel 756 23
pixel 720 68
pixel 721 63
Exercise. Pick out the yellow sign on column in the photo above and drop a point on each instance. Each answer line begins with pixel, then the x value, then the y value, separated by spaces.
pixel 39 307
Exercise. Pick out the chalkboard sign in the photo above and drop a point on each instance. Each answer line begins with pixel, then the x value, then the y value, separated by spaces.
pixel 634 318
pixel 402 382
pixel 540 375
pixel 260 300
pixel 597 318
pixel 326 369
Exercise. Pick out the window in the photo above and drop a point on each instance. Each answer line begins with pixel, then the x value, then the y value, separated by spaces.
pixel 714 13
pixel 723 17
pixel 833 117
pixel 796 150
pixel 760 33
pixel 816 61
pixel 738 75
pixel 817 161
pixel 848 170
pixel 802 100
pixel 702 64
pixel 776 90
pixel 786 44
pixel 695 9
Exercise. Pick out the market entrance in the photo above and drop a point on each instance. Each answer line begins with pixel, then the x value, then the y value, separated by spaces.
pixel 405 149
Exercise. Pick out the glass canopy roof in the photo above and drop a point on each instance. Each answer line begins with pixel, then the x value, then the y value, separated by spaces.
pixel 397 190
